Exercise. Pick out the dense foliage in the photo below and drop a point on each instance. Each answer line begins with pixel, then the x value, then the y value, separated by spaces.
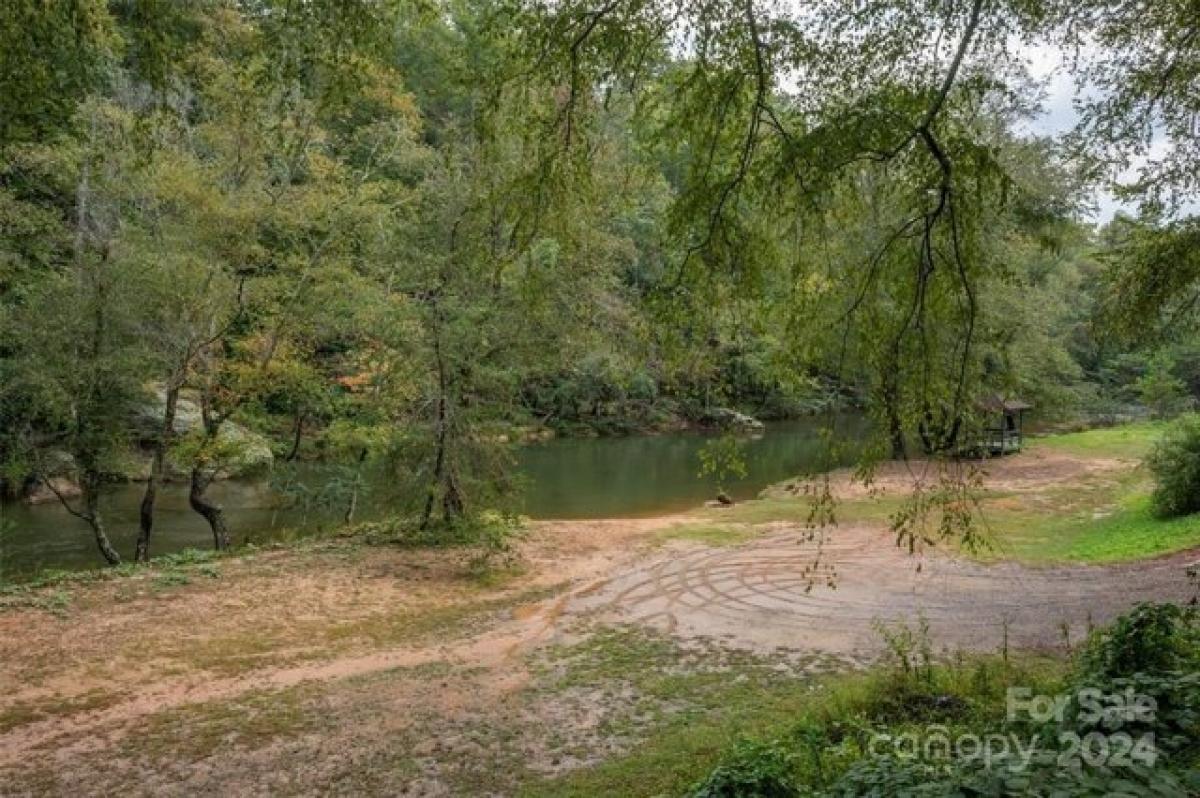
pixel 1151 653
pixel 1175 463
pixel 403 234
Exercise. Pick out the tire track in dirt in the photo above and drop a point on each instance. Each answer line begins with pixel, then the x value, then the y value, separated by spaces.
pixel 763 595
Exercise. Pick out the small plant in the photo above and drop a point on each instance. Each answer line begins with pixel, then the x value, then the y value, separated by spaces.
pixel 911 649
pixel 1150 639
pixel 1175 463
pixel 752 770
pixel 489 535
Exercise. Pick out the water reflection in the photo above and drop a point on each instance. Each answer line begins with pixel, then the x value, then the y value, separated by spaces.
pixel 566 478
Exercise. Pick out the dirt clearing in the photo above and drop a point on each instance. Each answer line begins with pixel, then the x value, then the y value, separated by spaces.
pixel 342 669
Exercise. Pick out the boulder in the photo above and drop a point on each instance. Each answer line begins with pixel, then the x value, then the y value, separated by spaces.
pixel 149 418
pixel 730 419
pixel 243 452
pixel 246 452
pixel 39 493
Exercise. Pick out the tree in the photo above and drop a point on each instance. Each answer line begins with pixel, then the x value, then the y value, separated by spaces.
pixel 73 381
pixel 1139 64
pixel 1160 390
pixel 887 110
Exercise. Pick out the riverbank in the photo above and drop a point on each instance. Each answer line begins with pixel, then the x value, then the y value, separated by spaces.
pixel 637 476
pixel 615 657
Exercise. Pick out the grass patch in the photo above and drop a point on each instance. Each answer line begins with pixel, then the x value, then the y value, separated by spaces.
pixel 234 654
pixel 1127 441
pixel 694 704
pixel 1104 518
pixel 708 534
pixel 1098 518
pixel 198 731
pixel 444 622
pixel 1096 533
pixel 51 590
pixel 798 510
pixel 26 712
pixel 676 708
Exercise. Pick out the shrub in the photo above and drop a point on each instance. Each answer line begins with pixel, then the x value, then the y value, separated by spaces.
pixel 1175 463
pixel 490 535
pixel 1153 651
pixel 1150 639
pixel 752 770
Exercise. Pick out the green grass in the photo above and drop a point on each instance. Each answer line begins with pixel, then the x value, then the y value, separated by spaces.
pixel 26 712
pixel 1128 441
pixel 687 707
pixel 798 510
pixel 195 732
pixel 709 700
pixel 708 534
pixel 1099 518
pixel 1124 530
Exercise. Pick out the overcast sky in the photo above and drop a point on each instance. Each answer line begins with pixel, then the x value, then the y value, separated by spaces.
pixel 1046 63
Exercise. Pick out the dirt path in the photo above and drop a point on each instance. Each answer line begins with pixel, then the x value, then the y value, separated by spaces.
pixel 767 595
pixel 319 670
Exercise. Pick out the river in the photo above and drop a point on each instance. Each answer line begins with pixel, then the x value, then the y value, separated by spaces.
pixel 563 478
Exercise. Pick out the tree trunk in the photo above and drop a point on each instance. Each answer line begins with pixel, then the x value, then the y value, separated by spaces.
pixel 297 433
pixel 213 513
pixel 439 462
pixel 94 519
pixel 892 412
pixel 157 467
pixel 452 500
pixel 925 429
pixel 353 506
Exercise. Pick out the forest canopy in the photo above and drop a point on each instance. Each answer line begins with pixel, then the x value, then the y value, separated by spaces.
pixel 411 232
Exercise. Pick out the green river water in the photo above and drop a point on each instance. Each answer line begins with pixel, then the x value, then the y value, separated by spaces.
pixel 564 478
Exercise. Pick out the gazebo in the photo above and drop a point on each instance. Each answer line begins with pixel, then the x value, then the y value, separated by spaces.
pixel 1002 429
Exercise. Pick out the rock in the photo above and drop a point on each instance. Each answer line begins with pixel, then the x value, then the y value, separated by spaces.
pixel 724 499
pixel 243 452
pixel 38 493
pixel 729 419
pixel 246 452
pixel 149 418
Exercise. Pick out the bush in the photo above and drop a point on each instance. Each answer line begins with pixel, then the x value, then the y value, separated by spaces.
pixel 752 770
pixel 490 535
pixel 1153 652
pixel 1150 639
pixel 1175 463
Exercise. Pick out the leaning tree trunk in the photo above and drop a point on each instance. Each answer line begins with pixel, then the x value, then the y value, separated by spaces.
pixel 94 519
pixel 439 465
pixel 157 467
pixel 213 513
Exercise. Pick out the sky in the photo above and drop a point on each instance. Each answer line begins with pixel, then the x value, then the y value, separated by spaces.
pixel 1046 64
pixel 1059 116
